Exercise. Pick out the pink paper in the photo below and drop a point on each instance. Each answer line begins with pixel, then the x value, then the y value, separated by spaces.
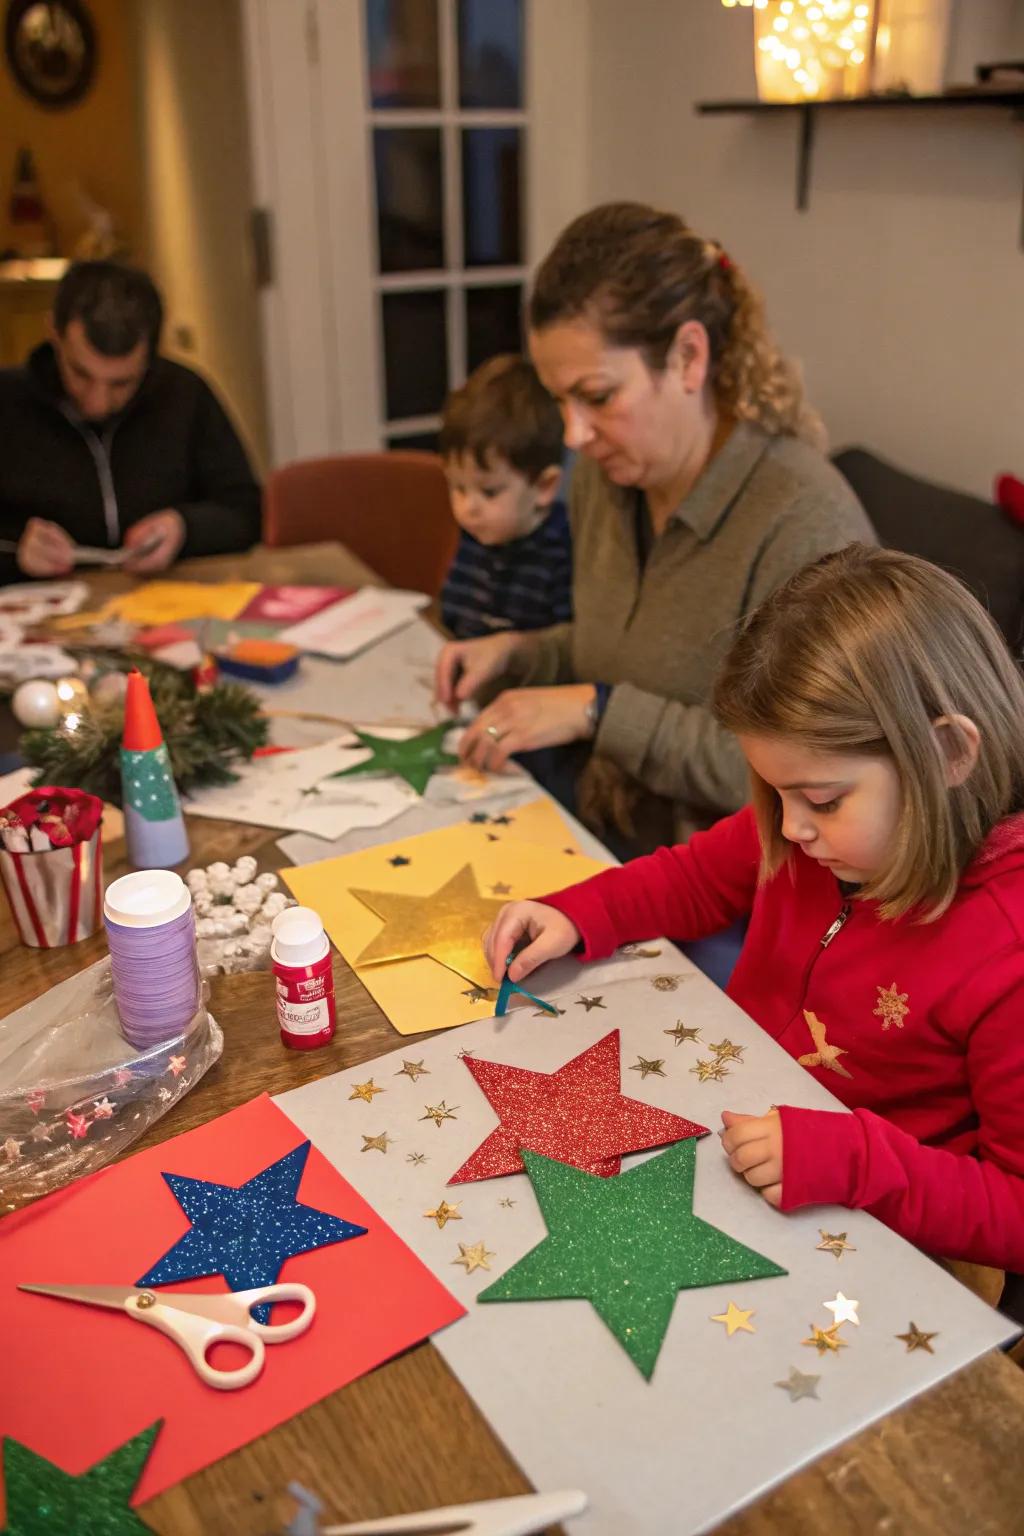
pixel 289 605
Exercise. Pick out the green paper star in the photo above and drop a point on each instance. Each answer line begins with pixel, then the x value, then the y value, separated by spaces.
pixel 627 1245
pixel 44 1501
pixel 413 760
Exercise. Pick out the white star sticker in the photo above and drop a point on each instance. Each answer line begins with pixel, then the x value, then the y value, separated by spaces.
pixel 843 1309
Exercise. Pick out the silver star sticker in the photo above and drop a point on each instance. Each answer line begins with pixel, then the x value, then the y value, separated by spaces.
pixel 799 1385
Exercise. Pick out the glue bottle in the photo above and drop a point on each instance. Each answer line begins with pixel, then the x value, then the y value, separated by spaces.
pixel 300 953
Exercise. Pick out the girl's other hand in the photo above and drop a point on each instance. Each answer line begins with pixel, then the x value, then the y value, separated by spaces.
pixel 550 932
pixel 753 1145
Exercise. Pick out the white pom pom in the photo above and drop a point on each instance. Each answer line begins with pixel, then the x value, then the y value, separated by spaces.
pixel 274 904
pixel 202 901
pixel 222 889
pixel 245 869
pixel 197 880
pixel 206 928
pixel 219 871
pixel 248 899
pixel 266 883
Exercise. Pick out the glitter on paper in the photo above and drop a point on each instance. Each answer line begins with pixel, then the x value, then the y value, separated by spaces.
pixel 413 1070
pixel 834 1242
pixel 365 1091
pixel 43 1500
pixel 916 1338
pixel 649 1068
pixel 589 1003
pixel 726 1051
pixel 576 1115
pixel 439 1112
pixel 627 1245
pixel 443 1212
pixel 825 1340
pixel 710 1071
pixel 376 1143
pixel 445 924
pixel 681 1032
pixel 247 1233
pixel 473 1256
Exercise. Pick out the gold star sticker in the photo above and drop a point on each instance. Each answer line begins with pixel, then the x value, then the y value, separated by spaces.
pixel 834 1242
pixel 843 1309
pixel 461 1055
pixel 825 1339
pixel 473 1256
pixel 710 1071
pixel 826 1055
pixel 726 1051
pixel 892 1006
pixel 916 1338
pixel 445 1212
pixel 376 1143
pixel 481 994
pixel 798 1385
pixel 506 1204
pixel 589 1002
pixel 365 1091
pixel 501 889
pixel 649 1068
pixel 413 1157
pixel 735 1319
pixel 439 1112
pixel 682 1032
pixel 665 983
pixel 445 924
pixel 412 1069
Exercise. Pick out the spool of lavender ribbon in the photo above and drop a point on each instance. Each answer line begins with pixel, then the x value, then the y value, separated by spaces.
pixel 151 930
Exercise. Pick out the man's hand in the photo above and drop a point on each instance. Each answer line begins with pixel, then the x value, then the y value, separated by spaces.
pixel 154 541
pixel 753 1145
pixel 44 549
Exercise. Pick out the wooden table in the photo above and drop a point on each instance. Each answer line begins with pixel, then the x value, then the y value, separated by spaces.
pixel 407 1436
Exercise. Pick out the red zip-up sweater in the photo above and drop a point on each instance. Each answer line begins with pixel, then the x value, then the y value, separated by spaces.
pixel 917 1027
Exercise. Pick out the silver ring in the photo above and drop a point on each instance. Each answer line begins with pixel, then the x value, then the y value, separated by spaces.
pixel 493 732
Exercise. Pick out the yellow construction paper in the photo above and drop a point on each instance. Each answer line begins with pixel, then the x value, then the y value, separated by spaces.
pixel 446 925
pixel 538 821
pixel 168 602
pixel 422 994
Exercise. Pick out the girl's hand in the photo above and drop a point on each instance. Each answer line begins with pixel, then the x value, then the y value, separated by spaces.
pixel 551 933
pixel 523 719
pixel 753 1145
pixel 464 666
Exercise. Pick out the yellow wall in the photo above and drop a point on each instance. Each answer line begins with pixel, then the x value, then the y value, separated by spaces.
pixel 193 136
pixel 92 145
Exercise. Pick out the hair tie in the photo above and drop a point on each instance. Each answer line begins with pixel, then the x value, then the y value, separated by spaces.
pixel 724 262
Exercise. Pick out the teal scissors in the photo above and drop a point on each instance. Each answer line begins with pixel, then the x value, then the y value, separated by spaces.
pixel 196 1323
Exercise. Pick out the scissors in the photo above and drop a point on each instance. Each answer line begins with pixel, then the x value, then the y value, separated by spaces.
pixel 196 1323
pixel 517 1516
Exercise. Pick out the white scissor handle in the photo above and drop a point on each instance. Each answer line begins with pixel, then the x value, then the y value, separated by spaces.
pixel 287 1290
pixel 196 1334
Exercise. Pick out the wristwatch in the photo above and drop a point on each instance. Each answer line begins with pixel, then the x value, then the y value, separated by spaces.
pixel 596 707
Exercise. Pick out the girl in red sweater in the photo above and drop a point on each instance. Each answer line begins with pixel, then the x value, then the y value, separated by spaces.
pixel 881 864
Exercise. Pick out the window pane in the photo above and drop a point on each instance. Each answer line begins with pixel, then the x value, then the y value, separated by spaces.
pixel 490 53
pixel 490 197
pixel 415 353
pixel 492 323
pixel 407 167
pixel 427 442
pixel 401 39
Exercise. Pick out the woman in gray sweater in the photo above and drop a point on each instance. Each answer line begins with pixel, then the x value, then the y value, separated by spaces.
pixel 701 485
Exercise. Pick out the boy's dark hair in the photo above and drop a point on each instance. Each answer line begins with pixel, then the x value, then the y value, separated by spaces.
pixel 118 306
pixel 504 410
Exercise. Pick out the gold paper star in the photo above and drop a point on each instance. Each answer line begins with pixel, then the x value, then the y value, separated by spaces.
pixel 414 1157
pixel 916 1338
pixel 710 1071
pixel 481 994
pixel 376 1143
pixel 843 1309
pixel 825 1339
pixel 826 1055
pixel 682 1032
pixel 892 1006
pixel 461 1055
pixel 799 1385
pixel 473 1256
pixel 439 1112
pixel 445 1212
pixel 365 1091
pixel 506 1204
pixel 446 924
pixel 735 1319
pixel 834 1242
pixel 412 1069
pixel 726 1051
pixel 649 1068
pixel 500 889
pixel 589 1002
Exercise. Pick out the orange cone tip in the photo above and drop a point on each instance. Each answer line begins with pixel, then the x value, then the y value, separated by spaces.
pixel 141 726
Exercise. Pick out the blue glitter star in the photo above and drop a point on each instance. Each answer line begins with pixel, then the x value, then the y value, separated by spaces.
pixel 245 1234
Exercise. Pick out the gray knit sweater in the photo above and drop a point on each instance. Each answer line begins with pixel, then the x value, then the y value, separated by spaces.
pixel 764 507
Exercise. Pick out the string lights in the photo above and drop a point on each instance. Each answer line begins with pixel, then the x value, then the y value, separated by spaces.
pixel 811 49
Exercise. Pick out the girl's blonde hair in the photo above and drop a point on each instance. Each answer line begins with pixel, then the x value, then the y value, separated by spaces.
pixel 640 274
pixel 863 652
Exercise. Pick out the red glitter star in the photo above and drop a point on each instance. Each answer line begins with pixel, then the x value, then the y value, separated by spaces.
pixel 576 1115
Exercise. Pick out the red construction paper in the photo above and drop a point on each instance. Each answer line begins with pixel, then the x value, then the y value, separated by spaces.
pixel 77 1381
pixel 290 605
pixel 576 1115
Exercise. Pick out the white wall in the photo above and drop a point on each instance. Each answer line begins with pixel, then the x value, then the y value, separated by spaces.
pixel 902 287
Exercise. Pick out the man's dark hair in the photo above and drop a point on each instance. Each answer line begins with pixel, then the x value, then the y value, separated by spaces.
pixel 118 306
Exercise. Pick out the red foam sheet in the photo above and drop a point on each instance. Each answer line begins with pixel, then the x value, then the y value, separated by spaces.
pixel 76 1381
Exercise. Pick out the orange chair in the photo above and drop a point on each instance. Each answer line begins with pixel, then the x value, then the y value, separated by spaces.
pixel 390 509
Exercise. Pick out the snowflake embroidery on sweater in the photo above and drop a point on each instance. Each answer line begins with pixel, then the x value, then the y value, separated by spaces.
pixel 892 1006
pixel 826 1055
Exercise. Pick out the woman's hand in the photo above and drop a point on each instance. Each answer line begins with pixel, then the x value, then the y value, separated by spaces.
pixel 753 1145
pixel 523 719
pixel 464 666
pixel 551 935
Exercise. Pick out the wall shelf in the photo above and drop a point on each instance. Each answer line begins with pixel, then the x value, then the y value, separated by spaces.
pixel 807 112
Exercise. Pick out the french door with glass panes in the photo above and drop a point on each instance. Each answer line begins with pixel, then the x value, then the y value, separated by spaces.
pixel 412 159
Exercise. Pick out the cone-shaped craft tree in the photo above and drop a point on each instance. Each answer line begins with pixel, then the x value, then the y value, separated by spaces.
pixel 154 826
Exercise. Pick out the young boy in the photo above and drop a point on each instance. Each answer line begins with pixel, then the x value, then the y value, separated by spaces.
pixel 501 441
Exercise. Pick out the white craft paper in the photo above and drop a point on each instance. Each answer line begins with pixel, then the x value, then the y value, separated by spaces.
pixel 710 1431
pixel 32 602
pixel 356 622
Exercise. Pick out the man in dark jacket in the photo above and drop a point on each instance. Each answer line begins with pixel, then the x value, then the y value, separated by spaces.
pixel 105 443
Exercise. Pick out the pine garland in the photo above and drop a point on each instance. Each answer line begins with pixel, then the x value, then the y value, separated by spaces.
pixel 205 732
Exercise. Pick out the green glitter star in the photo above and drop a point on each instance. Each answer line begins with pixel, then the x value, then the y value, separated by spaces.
pixel 413 760
pixel 44 1501
pixel 627 1245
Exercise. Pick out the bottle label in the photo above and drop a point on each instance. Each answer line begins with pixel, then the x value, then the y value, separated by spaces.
pixel 303 1018
pixel 305 999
